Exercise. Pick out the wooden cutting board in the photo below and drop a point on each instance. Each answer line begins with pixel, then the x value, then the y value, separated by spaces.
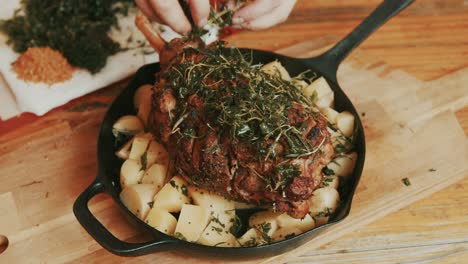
pixel 410 128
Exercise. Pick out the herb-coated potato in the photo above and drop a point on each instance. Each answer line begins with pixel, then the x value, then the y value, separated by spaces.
pixel 343 165
pixel 209 200
pixel 330 114
pixel 301 84
pixel 129 125
pixel 321 88
pixel 156 175
pixel 124 151
pixel 275 68
pixel 324 201
pixel 137 198
pixel 263 218
pixel 217 232
pixel 139 146
pixel 251 238
pixel 285 232
pixel 320 220
pixel 130 173
pixel 156 153
pixel 305 224
pixel 173 195
pixel 162 220
pixel 332 181
pixel 345 123
pixel 338 139
pixel 192 221
pixel 142 93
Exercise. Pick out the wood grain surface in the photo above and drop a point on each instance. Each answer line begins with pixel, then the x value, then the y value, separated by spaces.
pixel 429 42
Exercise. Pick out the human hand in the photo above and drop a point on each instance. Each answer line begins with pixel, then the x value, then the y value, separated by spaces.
pixel 261 14
pixel 170 12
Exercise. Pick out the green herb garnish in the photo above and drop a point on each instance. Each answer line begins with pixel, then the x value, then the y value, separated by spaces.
pixel 406 181
pixel 144 161
pixel 247 104
pixel 78 29
pixel 174 185
pixel 327 171
pixel 178 235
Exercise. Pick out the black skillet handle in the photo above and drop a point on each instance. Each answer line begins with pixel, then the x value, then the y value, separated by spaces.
pixel 101 234
pixel 330 60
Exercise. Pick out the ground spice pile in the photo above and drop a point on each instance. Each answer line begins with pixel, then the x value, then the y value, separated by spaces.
pixel 43 65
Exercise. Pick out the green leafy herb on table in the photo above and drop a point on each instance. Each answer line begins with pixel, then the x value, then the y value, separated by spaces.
pixel 78 29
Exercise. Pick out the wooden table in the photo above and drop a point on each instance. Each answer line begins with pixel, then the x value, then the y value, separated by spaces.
pixel 428 40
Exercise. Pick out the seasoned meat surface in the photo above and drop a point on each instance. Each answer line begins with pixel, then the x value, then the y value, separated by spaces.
pixel 205 111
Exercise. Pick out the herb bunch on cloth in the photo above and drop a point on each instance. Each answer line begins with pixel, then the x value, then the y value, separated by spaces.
pixel 78 29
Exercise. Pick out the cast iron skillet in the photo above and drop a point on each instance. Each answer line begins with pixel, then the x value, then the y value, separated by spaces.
pixel 107 180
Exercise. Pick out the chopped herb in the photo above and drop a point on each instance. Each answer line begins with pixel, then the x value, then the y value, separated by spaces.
pixel 236 226
pixel 144 161
pixel 406 181
pixel 328 172
pixel 326 181
pixel 178 235
pixel 432 170
pixel 151 204
pixel 325 213
pixel 120 137
pixel 254 241
pixel 217 229
pixel 184 190
pixel 216 220
pixel 251 106
pixel 174 185
pixel 264 228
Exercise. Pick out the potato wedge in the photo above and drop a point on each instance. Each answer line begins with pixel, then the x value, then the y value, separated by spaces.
pixel 265 221
pixel 193 220
pixel 332 181
pixel 156 175
pixel 209 200
pixel 343 165
pixel 124 151
pixel 162 220
pixel 275 68
pixel 330 114
pixel 156 153
pixel 323 92
pixel 137 198
pixel 305 224
pixel 286 232
pixel 130 173
pixel 129 125
pixel 217 232
pixel 324 201
pixel 345 123
pixel 251 238
pixel 173 195
pixel 139 145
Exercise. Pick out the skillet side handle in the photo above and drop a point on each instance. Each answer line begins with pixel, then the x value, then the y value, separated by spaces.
pixel 101 234
pixel 331 59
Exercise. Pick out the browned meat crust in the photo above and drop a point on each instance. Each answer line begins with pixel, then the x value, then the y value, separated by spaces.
pixel 212 159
